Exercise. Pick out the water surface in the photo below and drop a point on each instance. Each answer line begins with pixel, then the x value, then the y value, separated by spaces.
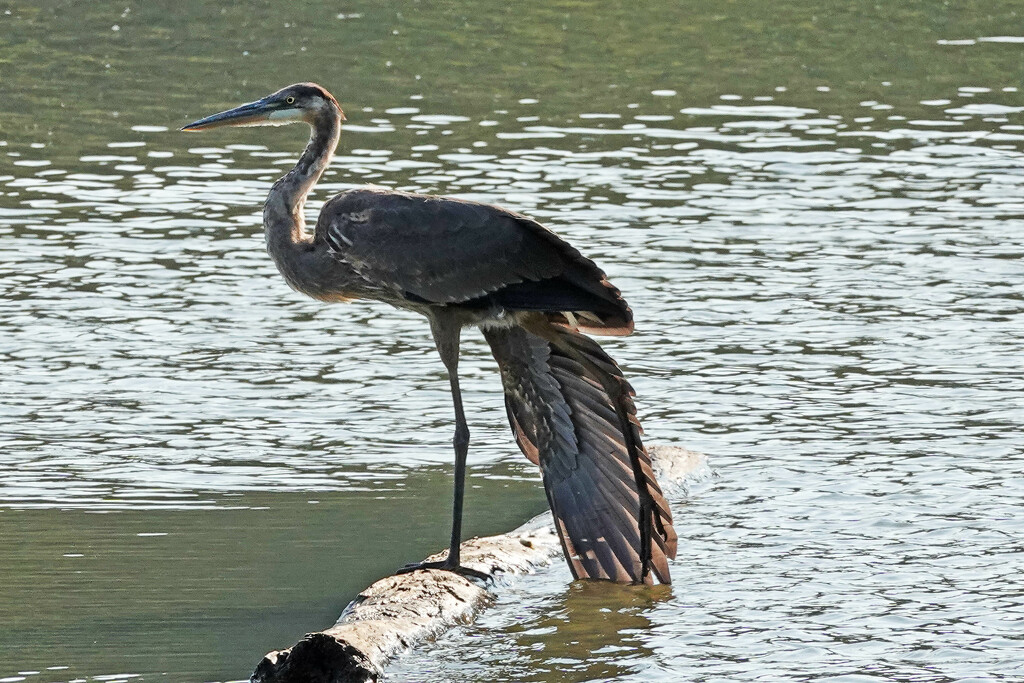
pixel 815 210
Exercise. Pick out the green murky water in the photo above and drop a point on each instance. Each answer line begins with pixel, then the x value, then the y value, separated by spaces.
pixel 815 210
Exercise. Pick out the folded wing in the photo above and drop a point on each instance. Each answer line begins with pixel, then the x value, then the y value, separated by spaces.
pixel 446 251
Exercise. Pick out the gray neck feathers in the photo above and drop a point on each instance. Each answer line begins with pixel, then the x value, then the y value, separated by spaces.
pixel 282 214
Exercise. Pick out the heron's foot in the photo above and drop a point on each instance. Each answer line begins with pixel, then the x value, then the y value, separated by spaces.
pixel 448 567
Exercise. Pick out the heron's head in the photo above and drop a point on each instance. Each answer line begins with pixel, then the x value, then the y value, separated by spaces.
pixel 300 102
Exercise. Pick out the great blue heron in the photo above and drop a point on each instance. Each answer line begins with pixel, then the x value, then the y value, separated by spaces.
pixel 461 263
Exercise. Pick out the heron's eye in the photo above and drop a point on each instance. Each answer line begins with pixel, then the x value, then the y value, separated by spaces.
pixel 290 100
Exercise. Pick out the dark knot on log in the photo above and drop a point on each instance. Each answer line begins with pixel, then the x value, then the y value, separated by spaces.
pixel 317 658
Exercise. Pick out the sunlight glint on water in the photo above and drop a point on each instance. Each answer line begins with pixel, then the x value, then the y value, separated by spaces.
pixel 824 257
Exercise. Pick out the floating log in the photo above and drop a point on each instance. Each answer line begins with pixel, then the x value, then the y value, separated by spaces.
pixel 399 611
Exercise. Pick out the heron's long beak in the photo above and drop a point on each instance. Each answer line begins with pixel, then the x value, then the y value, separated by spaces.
pixel 259 113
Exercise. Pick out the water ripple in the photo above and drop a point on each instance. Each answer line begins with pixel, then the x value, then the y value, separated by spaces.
pixel 830 305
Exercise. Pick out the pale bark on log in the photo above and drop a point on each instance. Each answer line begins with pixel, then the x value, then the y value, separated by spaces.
pixel 399 611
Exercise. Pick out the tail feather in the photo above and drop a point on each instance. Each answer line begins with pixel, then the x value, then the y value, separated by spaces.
pixel 572 413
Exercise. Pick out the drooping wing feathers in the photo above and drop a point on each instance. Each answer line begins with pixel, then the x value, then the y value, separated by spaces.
pixel 607 505
pixel 448 251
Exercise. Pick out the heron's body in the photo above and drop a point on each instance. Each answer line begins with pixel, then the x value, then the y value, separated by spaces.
pixel 464 264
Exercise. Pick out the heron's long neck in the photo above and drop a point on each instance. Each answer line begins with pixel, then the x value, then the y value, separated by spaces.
pixel 282 214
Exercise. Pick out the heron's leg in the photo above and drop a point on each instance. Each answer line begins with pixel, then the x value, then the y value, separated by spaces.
pixel 447 333
pixel 446 337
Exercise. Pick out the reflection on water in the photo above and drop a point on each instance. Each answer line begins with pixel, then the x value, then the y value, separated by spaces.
pixel 815 211
pixel 583 632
